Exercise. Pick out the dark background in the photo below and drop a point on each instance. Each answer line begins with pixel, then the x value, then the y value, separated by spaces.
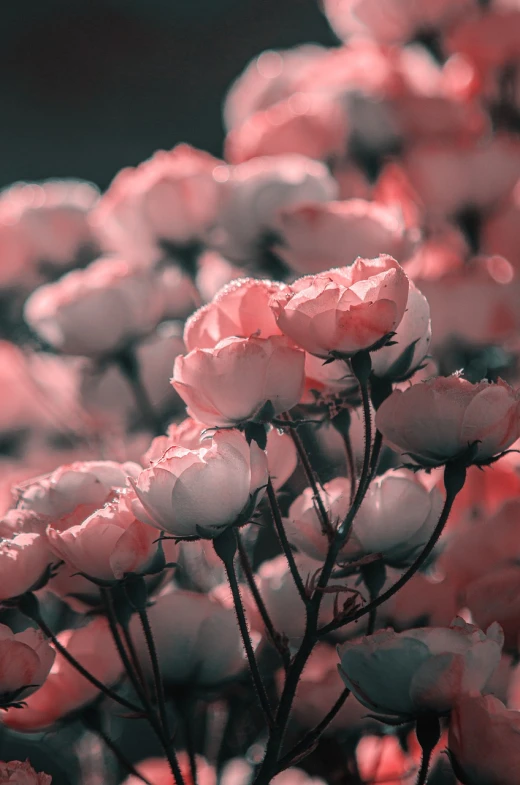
pixel 89 86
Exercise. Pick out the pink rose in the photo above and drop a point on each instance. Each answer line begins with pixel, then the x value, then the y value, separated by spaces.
pixel 310 124
pixel 316 237
pixel 345 310
pixel 98 310
pixel 483 741
pixel 240 379
pixel 424 670
pixel 25 661
pixel 110 544
pixel 241 308
pixel 213 273
pixel 172 197
pixel 410 342
pixel 24 560
pixel 495 596
pixel 203 648
pixel 188 434
pixel 257 190
pixel 439 420
pixel 230 472
pixel 66 690
pixel 17 773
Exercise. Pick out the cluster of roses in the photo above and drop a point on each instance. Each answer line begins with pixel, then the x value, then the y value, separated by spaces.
pixel 297 559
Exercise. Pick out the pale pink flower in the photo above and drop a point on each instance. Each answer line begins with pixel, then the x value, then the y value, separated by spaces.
pixel 14 772
pixel 192 493
pixel 495 596
pixel 98 310
pixel 158 772
pixel 344 310
pixel 65 690
pixel 441 419
pixel 241 308
pixel 25 661
pixel 423 670
pixel 483 741
pixel 240 379
pixel 316 237
pixel 171 198
pixel 24 560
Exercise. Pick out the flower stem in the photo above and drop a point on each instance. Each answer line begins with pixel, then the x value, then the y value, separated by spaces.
pixel 226 547
pixel 274 636
pixel 29 606
pixel 306 745
pixel 451 493
pixel 129 365
pixel 284 542
pixel 351 465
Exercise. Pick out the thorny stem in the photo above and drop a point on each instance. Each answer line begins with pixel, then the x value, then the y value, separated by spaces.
pixel 284 542
pixel 274 636
pixel 160 730
pixel 225 547
pixel 306 745
pixel 351 465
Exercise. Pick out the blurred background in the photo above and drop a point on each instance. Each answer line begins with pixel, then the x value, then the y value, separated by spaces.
pixel 90 86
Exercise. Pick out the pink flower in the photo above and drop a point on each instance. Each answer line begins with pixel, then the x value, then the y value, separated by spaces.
pixel 308 124
pixel 256 191
pixel 240 379
pixel 424 670
pixel 110 544
pixel 25 661
pixel 205 646
pixel 98 310
pixel 345 310
pixel 281 457
pixel 316 237
pixel 213 273
pixel 483 741
pixel 172 197
pixel 66 690
pixel 24 560
pixel 231 474
pixel 410 342
pixel 495 596
pixel 77 490
pixel 17 773
pixel 439 420
pixel 382 760
pixel 188 434
pixel 241 308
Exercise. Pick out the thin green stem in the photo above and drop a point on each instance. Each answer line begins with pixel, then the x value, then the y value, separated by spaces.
pixel 273 635
pixel 284 542
pixel 225 547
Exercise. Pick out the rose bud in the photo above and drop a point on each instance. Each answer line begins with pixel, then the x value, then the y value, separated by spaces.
pixel 65 690
pixel 109 545
pixel 24 564
pixel 25 661
pixel 171 198
pixel 447 418
pixel 205 647
pixel 231 473
pixel 17 773
pixel 495 596
pixel 241 308
pixel 483 741
pixel 240 380
pixel 157 771
pixel 316 237
pixel 396 518
pixel 345 310
pixel 73 492
pixel 420 671
pixel 411 341
pixel 96 311
pixel 256 191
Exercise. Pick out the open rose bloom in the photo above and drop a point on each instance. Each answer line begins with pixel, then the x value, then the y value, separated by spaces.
pixel 260 401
